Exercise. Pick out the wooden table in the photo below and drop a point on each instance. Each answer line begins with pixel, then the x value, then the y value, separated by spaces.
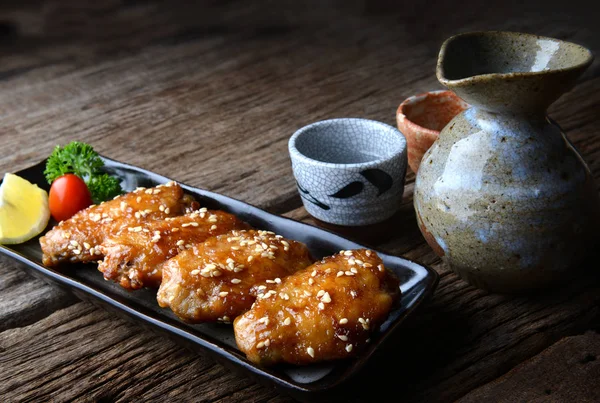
pixel 208 93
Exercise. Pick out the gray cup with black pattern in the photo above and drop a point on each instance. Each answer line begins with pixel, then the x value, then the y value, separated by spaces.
pixel 349 171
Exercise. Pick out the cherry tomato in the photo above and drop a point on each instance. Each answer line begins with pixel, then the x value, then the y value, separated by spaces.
pixel 68 195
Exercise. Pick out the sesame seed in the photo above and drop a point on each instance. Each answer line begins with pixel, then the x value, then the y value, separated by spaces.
pixel 260 345
pixel 285 243
pixel 174 229
pixel 92 250
pixel 347 253
pixel 367 265
pixel 353 270
pixel 380 267
pixel 328 270
pixel 123 206
pixel 216 273
pixel 284 296
pixel 343 321
pixel 167 211
pixel 213 227
pixel 353 293
pixel 235 281
pixel 187 224
pixel 321 306
pixel 326 298
pixel 311 281
pixel 223 294
pixel 264 319
pixel 314 273
pixel 320 293
pixel 77 251
pixel 348 347
pixel 262 287
pixel 368 253
pixel 351 261
pixel 180 242
pixel 340 273
pixel 287 321
pixel 210 266
pixel 138 199
pixel 137 214
pixel 250 258
pixel 156 191
pixel 212 218
pixel 203 210
pixel 359 262
pixel 349 273
pixel 267 343
pixel 148 191
pixel 235 248
pixel 311 352
pixel 307 293
pixel 277 280
pixel 194 272
pixel 342 337
pixel 86 245
pixel 74 243
pixel 194 224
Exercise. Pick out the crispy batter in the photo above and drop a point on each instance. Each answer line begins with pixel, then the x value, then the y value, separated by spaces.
pixel 212 280
pixel 324 312
pixel 76 239
pixel 135 255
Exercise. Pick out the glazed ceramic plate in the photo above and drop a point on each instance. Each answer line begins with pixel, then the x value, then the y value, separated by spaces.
pixel 417 283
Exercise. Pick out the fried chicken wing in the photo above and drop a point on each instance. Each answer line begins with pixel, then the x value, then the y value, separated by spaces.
pixel 135 255
pixel 212 280
pixel 76 239
pixel 324 312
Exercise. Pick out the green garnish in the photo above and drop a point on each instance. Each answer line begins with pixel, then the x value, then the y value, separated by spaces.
pixel 81 159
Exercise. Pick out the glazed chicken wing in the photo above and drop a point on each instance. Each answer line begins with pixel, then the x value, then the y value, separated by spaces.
pixel 324 312
pixel 135 255
pixel 76 239
pixel 212 280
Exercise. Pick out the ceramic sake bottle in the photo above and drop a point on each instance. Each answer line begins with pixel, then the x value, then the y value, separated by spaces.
pixel 502 196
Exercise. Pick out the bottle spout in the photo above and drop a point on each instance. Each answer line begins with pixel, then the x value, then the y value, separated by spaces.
pixel 510 72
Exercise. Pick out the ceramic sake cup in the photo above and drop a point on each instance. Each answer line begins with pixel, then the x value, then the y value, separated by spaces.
pixel 421 118
pixel 349 171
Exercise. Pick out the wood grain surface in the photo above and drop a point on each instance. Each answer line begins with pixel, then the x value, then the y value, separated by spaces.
pixel 208 93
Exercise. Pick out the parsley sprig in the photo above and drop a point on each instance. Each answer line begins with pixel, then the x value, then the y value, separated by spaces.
pixel 81 159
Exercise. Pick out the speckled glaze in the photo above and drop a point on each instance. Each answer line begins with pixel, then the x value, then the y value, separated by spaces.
pixel 421 117
pixel 502 195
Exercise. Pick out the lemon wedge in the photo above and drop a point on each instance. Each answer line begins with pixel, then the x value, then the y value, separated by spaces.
pixel 24 211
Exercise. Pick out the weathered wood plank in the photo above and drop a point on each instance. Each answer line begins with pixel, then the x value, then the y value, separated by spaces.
pixel 84 353
pixel 568 371
pixel 24 299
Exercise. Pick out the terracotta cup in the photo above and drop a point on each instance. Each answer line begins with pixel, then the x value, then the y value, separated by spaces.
pixel 421 118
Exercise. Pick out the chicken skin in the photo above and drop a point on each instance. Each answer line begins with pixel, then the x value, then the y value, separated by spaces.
pixel 135 255
pixel 212 280
pixel 324 312
pixel 76 239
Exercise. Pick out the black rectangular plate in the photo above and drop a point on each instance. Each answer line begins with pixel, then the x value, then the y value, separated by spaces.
pixel 417 283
